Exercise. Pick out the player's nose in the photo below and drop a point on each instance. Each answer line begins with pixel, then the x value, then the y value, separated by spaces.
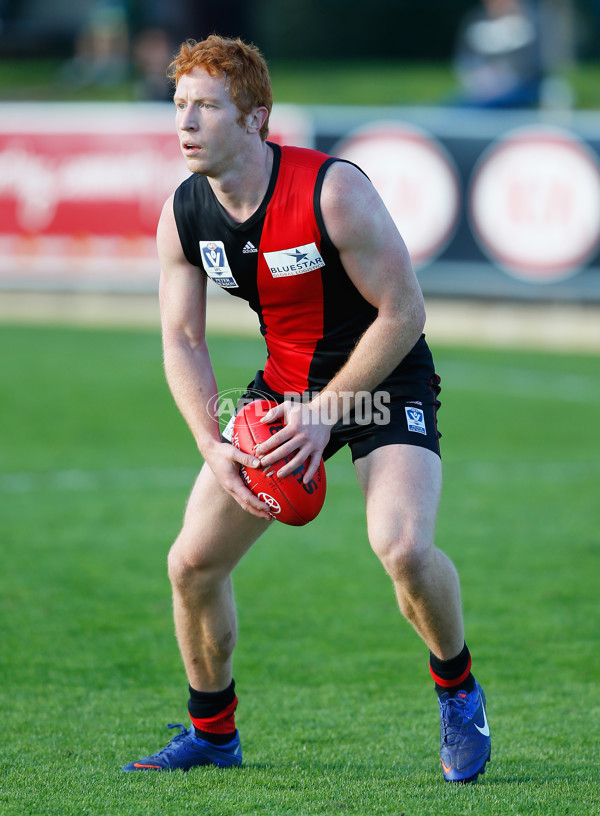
pixel 187 119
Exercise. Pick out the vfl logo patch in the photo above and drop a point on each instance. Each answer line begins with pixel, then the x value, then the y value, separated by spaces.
pixel 294 261
pixel 416 420
pixel 216 265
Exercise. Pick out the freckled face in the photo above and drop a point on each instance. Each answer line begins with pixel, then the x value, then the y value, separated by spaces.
pixel 207 123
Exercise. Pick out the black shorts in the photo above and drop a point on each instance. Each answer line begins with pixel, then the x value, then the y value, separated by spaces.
pixel 384 416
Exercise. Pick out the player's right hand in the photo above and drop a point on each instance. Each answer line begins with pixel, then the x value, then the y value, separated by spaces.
pixel 225 461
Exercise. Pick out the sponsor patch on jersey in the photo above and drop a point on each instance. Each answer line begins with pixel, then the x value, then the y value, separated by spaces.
pixel 416 420
pixel 216 265
pixel 294 261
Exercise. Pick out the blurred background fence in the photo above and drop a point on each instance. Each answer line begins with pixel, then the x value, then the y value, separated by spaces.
pixel 479 122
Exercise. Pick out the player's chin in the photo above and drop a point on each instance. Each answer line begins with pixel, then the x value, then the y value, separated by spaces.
pixel 196 165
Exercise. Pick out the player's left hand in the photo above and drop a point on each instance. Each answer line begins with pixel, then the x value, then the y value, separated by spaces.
pixel 304 437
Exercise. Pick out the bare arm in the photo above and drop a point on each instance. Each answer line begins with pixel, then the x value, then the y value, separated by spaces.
pixel 377 261
pixel 187 362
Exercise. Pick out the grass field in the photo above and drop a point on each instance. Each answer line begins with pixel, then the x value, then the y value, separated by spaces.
pixel 310 82
pixel 337 711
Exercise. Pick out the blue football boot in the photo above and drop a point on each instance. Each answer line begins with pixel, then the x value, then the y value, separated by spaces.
pixel 465 745
pixel 186 750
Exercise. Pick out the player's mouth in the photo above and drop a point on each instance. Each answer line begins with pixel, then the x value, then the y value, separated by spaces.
pixel 190 149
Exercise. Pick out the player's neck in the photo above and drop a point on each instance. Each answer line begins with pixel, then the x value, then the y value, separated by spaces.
pixel 241 191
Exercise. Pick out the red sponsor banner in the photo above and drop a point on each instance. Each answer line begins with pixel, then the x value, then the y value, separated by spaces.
pixel 82 188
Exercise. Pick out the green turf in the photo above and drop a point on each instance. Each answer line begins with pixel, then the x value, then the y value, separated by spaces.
pixel 324 82
pixel 336 711
pixel 363 83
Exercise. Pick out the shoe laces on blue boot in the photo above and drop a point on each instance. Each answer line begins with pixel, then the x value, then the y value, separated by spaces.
pixel 185 750
pixel 465 745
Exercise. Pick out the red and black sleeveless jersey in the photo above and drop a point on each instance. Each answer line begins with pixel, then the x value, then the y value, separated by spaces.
pixel 283 263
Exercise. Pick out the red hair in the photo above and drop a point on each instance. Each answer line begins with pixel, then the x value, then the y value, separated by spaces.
pixel 242 65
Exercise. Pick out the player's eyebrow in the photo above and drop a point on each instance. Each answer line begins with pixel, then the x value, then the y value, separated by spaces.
pixel 212 100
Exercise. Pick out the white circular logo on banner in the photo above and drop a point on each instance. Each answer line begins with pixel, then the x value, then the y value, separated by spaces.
pixel 535 204
pixel 416 180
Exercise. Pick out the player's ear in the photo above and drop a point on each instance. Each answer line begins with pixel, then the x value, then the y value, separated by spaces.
pixel 256 119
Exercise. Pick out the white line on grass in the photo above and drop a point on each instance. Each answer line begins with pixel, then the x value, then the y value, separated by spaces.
pixel 183 477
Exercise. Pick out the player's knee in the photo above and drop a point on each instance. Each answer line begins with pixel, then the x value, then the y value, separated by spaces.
pixel 178 567
pixel 404 556
pixel 189 568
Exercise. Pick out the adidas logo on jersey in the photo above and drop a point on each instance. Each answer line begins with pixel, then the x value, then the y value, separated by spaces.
pixel 249 248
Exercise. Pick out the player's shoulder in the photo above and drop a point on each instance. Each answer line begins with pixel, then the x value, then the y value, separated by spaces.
pixel 338 176
pixel 292 154
pixel 169 243
pixel 299 159
pixel 191 197
pixel 346 188
pixel 344 175
pixel 166 233
pixel 188 186
pixel 351 208
pixel 167 209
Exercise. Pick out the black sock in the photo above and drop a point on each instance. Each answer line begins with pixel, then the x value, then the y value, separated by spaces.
pixel 207 706
pixel 452 675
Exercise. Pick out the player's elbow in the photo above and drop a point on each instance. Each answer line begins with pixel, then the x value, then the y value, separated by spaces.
pixel 182 340
pixel 412 320
pixel 419 317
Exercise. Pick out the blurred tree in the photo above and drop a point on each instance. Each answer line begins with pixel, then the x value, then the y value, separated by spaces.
pixel 379 29
pixel 399 30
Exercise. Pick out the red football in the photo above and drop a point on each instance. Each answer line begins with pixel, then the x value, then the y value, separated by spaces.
pixel 289 499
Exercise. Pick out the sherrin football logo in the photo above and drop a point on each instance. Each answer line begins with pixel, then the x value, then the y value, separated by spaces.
pixel 294 261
